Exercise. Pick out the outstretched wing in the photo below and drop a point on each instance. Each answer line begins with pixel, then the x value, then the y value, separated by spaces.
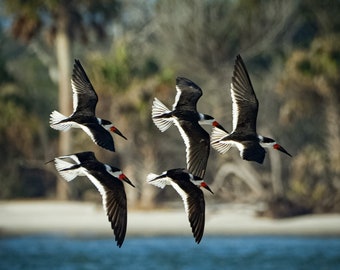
pixel 197 142
pixel 84 96
pixel 244 101
pixel 114 202
pixel 194 204
pixel 188 94
pixel 99 135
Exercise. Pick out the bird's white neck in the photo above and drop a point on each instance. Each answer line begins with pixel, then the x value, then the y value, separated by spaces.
pixel 203 120
pixel 266 142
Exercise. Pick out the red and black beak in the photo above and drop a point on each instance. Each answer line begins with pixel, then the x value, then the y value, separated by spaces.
pixel 116 130
pixel 217 125
pixel 205 185
pixel 125 179
pixel 280 148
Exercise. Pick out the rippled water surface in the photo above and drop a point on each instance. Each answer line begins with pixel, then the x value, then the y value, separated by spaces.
pixel 57 252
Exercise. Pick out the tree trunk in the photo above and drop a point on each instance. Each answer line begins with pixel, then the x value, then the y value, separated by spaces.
pixel 333 139
pixel 62 43
pixel 276 170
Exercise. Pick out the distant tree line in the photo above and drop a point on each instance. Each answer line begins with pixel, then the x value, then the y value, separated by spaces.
pixel 132 52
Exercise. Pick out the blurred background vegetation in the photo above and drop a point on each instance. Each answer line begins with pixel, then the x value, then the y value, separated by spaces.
pixel 132 52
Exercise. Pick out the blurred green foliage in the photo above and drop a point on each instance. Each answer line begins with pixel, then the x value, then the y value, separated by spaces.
pixel 291 49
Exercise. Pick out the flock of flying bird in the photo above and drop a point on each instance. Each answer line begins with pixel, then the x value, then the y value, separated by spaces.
pixel 186 181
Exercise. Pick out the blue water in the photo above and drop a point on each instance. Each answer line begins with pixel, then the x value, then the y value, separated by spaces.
pixel 250 252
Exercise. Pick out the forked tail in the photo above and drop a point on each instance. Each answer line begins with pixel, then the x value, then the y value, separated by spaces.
pixel 57 121
pixel 156 180
pixel 66 169
pixel 218 140
pixel 158 111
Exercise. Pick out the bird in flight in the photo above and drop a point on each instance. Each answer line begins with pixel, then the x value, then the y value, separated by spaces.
pixel 109 182
pixel 188 187
pixel 187 119
pixel 244 111
pixel 84 106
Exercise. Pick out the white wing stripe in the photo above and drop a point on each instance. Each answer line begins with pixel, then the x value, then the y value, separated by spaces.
pixel 185 139
pixel 100 188
pixel 183 195
pixel 88 132
pixel 75 96
pixel 178 95
pixel 235 108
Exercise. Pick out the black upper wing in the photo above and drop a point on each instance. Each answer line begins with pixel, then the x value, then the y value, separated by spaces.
pixel 196 207
pixel 197 142
pixel 84 96
pixel 245 103
pixel 116 208
pixel 188 94
pixel 194 203
pixel 114 198
pixel 100 136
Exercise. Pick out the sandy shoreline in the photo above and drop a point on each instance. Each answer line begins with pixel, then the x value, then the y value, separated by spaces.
pixel 89 219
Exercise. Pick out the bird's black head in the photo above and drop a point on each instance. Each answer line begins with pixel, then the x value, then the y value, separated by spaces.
pixel 208 119
pixel 117 173
pixel 110 127
pixel 105 122
pixel 269 142
pixel 200 182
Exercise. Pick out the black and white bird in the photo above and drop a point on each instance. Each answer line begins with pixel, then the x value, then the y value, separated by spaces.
pixel 244 110
pixel 109 182
pixel 185 116
pixel 188 187
pixel 84 106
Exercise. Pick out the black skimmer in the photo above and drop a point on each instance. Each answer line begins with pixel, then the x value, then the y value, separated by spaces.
pixel 244 109
pixel 84 105
pixel 109 182
pixel 188 187
pixel 185 116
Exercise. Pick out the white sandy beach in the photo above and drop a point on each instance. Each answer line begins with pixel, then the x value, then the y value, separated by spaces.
pixel 89 219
